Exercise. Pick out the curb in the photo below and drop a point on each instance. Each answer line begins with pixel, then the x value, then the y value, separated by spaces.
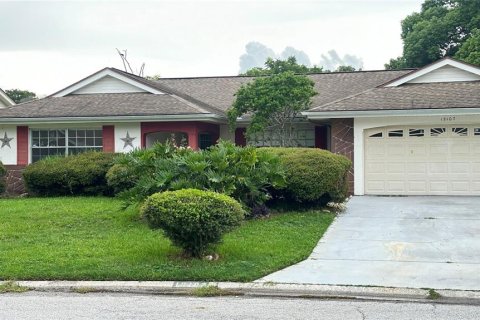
pixel 253 289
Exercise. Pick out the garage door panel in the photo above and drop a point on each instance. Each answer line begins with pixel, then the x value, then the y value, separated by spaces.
pixel 416 168
pixel 395 186
pixel 375 167
pixel 440 160
pixel 438 168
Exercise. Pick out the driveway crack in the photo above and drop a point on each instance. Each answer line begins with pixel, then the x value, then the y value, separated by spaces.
pixel 359 310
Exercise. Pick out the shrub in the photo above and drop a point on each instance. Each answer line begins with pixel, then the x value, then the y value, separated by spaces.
pixel 314 175
pixel 82 174
pixel 3 173
pixel 241 173
pixel 193 219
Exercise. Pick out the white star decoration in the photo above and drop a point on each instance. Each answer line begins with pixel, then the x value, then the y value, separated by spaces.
pixel 5 141
pixel 128 140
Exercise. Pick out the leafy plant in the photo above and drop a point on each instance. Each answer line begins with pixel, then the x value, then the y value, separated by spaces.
pixel 3 172
pixel 242 173
pixel 193 219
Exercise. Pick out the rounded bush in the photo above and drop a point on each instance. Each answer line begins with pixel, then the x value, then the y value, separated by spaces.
pixel 192 219
pixel 3 173
pixel 314 175
pixel 120 178
pixel 81 174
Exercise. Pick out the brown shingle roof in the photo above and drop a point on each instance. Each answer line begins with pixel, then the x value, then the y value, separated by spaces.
pixel 218 92
pixel 105 104
pixel 411 96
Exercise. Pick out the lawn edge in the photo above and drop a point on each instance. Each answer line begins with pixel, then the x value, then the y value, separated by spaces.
pixel 256 289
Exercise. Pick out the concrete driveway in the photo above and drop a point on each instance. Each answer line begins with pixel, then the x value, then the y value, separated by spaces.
pixel 418 242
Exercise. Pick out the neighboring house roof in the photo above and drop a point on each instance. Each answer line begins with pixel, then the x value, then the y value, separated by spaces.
pixel 5 100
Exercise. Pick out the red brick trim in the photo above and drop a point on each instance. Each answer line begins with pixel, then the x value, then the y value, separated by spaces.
pixel 108 138
pixel 22 145
pixel 342 142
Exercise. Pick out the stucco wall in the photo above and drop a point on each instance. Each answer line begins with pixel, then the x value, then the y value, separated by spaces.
pixel 8 154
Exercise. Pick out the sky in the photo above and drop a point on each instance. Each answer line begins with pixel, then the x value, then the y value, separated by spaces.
pixel 46 46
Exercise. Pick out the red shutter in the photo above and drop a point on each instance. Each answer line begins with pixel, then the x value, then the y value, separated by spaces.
pixel 108 139
pixel 22 145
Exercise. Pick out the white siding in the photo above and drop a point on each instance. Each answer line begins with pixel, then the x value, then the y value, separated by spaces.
pixel 108 84
pixel 121 130
pixel 8 155
pixel 2 104
pixel 446 74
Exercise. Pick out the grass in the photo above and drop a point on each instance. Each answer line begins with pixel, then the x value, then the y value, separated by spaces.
pixel 11 286
pixel 211 291
pixel 93 239
pixel 433 295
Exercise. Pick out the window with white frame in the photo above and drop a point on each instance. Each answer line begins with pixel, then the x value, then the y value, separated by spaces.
pixel 61 142
pixel 302 137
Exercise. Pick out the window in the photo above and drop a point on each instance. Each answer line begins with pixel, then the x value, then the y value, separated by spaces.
pixel 395 133
pixel 416 132
pixel 48 142
pixel 302 137
pixel 180 139
pixel 376 135
pixel 435 132
pixel 461 132
pixel 205 140
pixel 476 132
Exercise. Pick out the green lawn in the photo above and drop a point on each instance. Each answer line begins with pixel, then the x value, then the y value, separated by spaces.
pixel 93 239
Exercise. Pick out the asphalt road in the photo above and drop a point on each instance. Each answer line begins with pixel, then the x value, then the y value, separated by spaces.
pixel 34 305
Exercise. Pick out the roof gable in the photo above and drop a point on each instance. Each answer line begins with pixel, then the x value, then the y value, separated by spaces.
pixel 5 100
pixel 445 70
pixel 107 80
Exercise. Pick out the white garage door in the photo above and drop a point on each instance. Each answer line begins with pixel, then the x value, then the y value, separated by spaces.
pixel 420 160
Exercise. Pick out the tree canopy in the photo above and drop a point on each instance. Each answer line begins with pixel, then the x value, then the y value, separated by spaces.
pixel 19 96
pixel 470 49
pixel 273 103
pixel 439 29
pixel 275 66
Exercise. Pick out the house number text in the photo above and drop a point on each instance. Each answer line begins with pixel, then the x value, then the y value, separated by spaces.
pixel 447 118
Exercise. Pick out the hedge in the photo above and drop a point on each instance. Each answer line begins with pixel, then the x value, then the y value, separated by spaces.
pixel 192 219
pixel 3 173
pixel 314 175
pixel 81 174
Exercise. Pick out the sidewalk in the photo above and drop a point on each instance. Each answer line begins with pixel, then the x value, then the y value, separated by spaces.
pixel 258 289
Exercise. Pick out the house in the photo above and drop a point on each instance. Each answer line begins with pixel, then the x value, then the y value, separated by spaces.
pixel 5 100
pixel 408 132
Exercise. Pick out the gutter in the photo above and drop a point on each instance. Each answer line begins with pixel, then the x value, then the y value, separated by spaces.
pixel 152 118
pixel 317 115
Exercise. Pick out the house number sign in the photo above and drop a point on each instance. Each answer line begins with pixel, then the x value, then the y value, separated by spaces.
pixel 447 118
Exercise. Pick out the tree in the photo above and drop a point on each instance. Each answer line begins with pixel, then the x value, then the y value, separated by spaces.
pixel 19 96
pixel 273 103
pixel 438 30
pixel 470 50
pixel 345 69
pixel 275 66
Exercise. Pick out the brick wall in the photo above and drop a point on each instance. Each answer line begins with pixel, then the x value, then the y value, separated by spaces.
pixel 342 142
pixel 14 180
